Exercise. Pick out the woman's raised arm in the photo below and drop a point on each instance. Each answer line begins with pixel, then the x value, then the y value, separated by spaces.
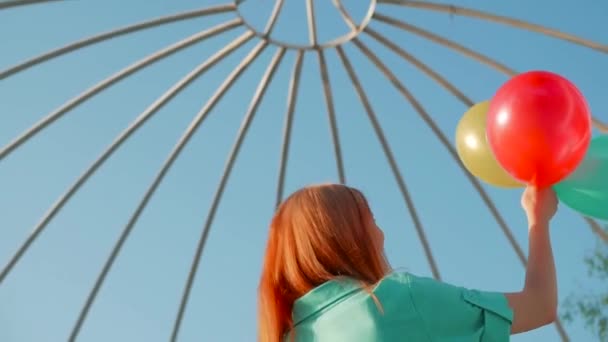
pixel 536 304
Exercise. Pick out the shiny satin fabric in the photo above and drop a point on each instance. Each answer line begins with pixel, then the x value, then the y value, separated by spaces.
pixel 408 308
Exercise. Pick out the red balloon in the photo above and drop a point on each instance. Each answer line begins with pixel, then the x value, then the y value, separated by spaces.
pixel 539 127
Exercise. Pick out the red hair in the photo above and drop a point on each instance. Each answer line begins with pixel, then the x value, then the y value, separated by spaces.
pixel 318 233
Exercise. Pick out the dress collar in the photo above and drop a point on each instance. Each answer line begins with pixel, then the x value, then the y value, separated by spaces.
pixel 323 296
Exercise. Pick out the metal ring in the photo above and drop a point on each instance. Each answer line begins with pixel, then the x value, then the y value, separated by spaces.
pixel 331 44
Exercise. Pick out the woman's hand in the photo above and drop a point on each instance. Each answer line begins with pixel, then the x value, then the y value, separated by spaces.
pixel 540 205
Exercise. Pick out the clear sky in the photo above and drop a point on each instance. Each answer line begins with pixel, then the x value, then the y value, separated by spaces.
pixel 41 298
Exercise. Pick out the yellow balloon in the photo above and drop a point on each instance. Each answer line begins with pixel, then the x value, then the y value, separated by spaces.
pixel 474 150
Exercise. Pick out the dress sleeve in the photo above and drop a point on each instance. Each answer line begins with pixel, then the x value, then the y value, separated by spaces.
pixel 449 311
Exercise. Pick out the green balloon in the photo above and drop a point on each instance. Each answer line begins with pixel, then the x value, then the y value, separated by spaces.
pixel 586 189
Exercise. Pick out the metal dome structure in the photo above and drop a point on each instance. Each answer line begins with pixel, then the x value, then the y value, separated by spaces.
pixel 267 40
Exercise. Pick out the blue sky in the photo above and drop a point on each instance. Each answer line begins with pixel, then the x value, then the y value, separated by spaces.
pixel 41 298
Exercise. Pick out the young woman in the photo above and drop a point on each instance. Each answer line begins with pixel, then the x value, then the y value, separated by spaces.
pixel 325 279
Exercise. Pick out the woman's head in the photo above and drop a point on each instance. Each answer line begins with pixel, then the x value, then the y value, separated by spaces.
pixel 317 234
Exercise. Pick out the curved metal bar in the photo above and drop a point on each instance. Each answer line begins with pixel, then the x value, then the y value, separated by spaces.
pixel 600 126
pixel 333 43
pixel 421 66
pixel 445 42
pixel 113 34
pixel 16 3
pixel 106 83
pixel 183 141
pixel 253 107
pixel 276 11
pixel 292 99
pixel 442 137
pixel 331 114
pixel 124 135
pixel 596 228
pixel 448 146
pixel 312 25
pixel 468 12
pixel 344 13
pixel 391 160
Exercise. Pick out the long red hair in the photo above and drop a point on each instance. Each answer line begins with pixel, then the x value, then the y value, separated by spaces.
pixel 317 234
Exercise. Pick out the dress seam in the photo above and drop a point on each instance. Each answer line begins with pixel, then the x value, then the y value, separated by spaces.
pixel 426 328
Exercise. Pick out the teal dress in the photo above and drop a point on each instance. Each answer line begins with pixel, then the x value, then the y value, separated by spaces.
pixel 406 308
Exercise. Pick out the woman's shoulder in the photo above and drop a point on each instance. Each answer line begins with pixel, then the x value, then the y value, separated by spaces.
pixel 461 308
pixel 435 292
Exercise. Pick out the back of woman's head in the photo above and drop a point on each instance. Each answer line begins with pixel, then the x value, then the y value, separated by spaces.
pixel 318 233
